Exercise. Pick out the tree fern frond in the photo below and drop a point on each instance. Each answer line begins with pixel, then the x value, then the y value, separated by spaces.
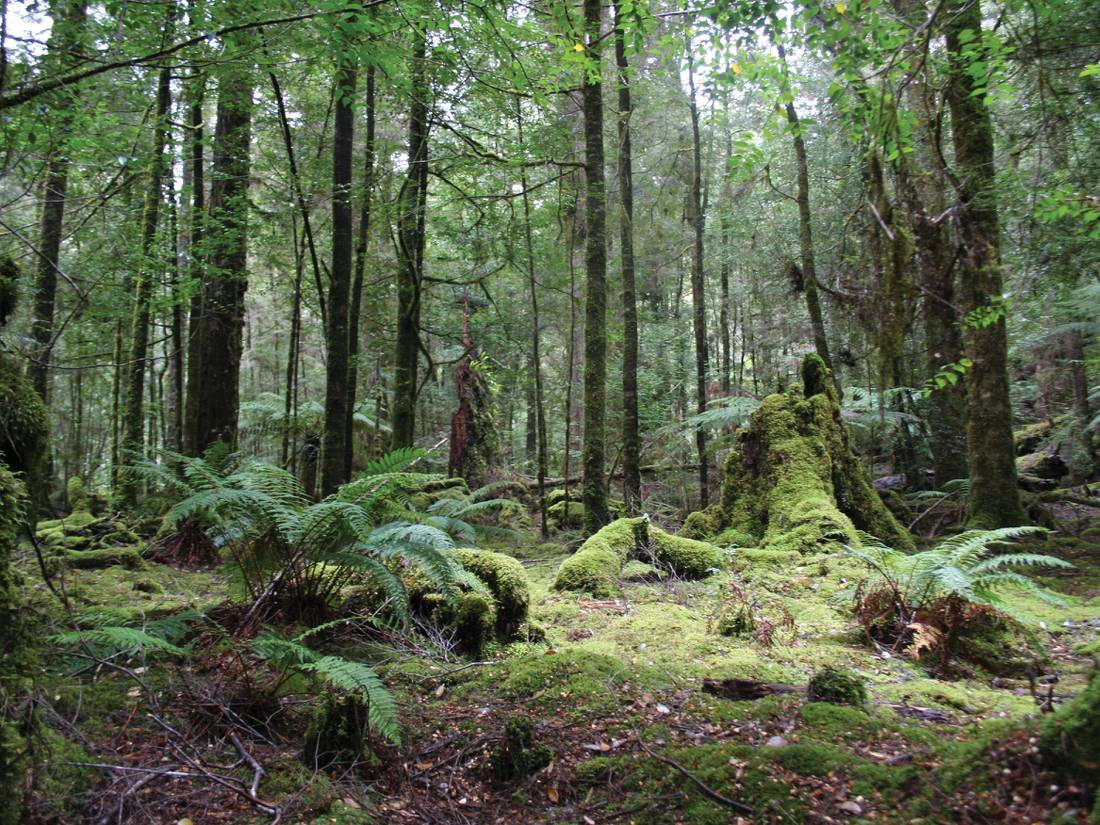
pixel 119 639
pixel 358 680
pixel 392 462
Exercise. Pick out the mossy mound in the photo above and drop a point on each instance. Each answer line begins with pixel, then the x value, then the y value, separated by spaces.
pixel 1070 736
pixel 507 580
pixel 517 755
pixel 597 566
pixel 838 687
pixel 15 655
pixel 23 428
pixel 794 481
pixel 563 514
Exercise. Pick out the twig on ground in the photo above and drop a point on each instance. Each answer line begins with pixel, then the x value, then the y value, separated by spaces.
pixel 699 783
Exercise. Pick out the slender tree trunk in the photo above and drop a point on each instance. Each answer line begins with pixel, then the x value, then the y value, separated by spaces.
pixel 411 251
pixel 360 270
pixel 133 416
pixel 698 282
pixel 334 445
pixel 725 221
pixel 994 496
pixel 196 219
pixel 289 446
pixel 69 19
pixel 805 230
pixel 214 400
pixel 174 394
pixel 536 344
pixel 632 477
pixel 595 293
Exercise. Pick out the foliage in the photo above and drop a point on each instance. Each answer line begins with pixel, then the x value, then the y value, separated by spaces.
pixel 349 679
pixel 922 602
pixel 301 553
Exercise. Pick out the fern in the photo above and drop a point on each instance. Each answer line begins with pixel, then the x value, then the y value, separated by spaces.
pixel 347 677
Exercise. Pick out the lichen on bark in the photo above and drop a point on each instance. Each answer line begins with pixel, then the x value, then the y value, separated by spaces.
pixel 794 481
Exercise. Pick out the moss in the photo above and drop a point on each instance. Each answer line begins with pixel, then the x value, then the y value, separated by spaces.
pixel 336 734
pixel 517 755
pixel 597 565
pixel 794 482
pixel 635 570
pixel 507 580
pixel 24 426
pixel 565 515
pixel 833 722
pixel 703 524
pixel 576 673
pixel 735 620
pixel 341 813
pixel 809 759
pixel 1070 736
pixel 1027 439
pixel 76 494
pixel 128 557
pixel 687 557
pixel 732 536
pixel 836 686
pixel 472 619
pixel 61 786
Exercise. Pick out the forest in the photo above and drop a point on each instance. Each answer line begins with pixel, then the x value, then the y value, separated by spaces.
pixel 549 411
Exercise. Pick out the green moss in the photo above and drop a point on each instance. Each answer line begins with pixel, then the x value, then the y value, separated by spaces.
pixel 576 673
pixel 809 759
pixel 516 754
pixel 24 426
pixel 1071 735
pixel 735 620
pixel 61 785
pixel 336 734
pixel 635 570
pixel 565 515
pixel 128 557
pixel 793 481
pixel 507 580
pixel 76 493
pixel 703 524
pixel 732 536
pixel 836 686
pixel 833 723
pixel 597 565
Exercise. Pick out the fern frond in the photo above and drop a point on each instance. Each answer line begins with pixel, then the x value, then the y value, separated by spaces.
pixel 119 639
pixel 358 680
pixel 392 462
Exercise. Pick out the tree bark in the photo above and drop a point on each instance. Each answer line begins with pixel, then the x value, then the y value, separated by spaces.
pixel 698 281
pixel 805 228
pixel 213 394
pixel 632 479
pixel 360 271
pixel 69 19
pixel 334 445
pixel 133 420
pixel 994 496
pixel 595 294
pixel 410 253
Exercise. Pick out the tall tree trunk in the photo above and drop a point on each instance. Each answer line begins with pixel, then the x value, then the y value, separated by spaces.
pixel 632 477
pixel 411 252
pixel 541 449
pixel 994 496
pixel 69 19
pixel 213 393
pixel 334 445
pixel 195 168
pixel 805 229
pixel 175 344
pixel 698 281
pixel 360 270
pixel 133 417
pixel 595 292
pixel 725 221
pixel 290 406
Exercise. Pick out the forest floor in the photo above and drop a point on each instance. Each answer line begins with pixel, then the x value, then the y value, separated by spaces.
pixel 616 693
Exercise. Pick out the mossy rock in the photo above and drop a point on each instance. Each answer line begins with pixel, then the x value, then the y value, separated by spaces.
pixel 1000 645
pixel 839 687
pixel 76 494
pixel 508 582
pixel 637 571
pixel 731 536
pixel 794 481
pixel 597 565
pixel 1070 736
pixel 1028 439
pixel 565 515
pixel 703 524
pixel 473 619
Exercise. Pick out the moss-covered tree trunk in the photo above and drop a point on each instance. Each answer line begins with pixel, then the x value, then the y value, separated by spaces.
pixel 994 496
pixel 595 295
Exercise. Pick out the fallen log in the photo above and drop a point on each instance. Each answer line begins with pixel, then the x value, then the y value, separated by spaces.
pixel 739 690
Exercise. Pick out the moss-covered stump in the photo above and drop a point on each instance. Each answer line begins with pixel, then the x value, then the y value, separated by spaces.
pixel 517 755
pixel 794 481
pixel 838 687
pixel 596 567
pixel 507 580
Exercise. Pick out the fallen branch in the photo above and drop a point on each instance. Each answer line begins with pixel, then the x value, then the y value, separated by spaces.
pixel 699 783
pixel 258 772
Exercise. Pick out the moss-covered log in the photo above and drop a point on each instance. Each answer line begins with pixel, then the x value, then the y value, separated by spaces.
pixel 794 481
pixel 14 654
pixel 597 566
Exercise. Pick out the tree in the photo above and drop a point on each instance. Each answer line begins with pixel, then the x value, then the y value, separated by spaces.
pixel 213 393
pixel 595 266
pixel 994 496
pixel 334 444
